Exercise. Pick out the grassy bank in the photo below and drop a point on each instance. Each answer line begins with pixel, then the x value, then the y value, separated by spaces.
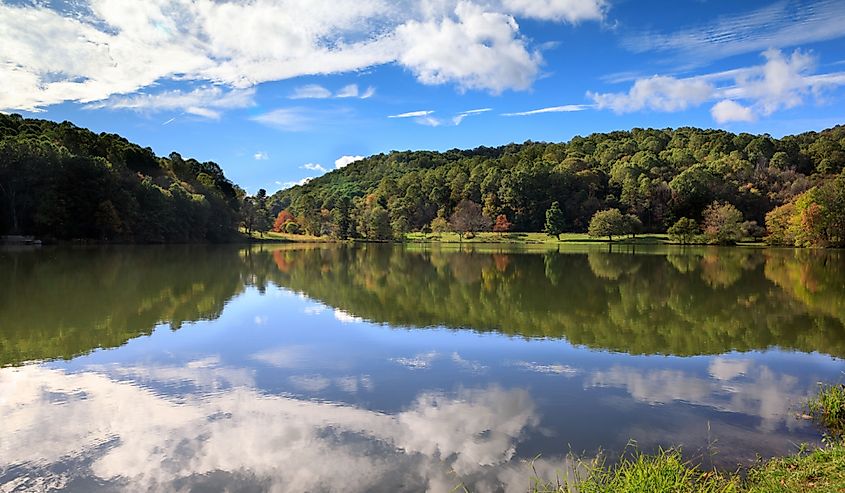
pixel 818 471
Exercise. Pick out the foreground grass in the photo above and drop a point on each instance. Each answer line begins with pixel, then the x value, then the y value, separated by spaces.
pixel 816 471
pixel 819 471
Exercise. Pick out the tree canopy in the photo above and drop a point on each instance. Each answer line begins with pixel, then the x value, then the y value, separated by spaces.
pixel 61 181
pixel 655 175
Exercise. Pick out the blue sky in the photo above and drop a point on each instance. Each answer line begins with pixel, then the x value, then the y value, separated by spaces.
pixel 277 91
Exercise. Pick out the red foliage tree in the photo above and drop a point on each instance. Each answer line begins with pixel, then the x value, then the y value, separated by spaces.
pixel 283 218
pixel 502 224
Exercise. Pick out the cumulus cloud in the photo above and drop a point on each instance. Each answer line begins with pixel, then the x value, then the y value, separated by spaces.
pixel 730 111
pixel 743 94
pixel 344 161
pixel 436 50
pixel 572 11
pixel 261 156
pixel 92 50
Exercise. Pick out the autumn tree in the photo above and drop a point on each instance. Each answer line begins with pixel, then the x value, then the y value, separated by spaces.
pixel 555 220
pixel 502 224
pixel 283 218
pixel 439 225
pixel 723 224
pixel 468 218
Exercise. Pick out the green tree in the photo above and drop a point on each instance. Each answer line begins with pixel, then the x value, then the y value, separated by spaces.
pixel 439 225
pixel 555 220
pixel 608 223
pixel 684 231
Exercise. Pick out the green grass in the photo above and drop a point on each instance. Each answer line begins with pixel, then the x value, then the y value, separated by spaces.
pixel 828 409
pixel 665 472
pixel 820 471
pixel 530 238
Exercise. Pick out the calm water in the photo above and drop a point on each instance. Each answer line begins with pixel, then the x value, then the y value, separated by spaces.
pixel 378 368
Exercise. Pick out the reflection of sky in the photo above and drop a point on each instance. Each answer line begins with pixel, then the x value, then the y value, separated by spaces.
pixel 288 394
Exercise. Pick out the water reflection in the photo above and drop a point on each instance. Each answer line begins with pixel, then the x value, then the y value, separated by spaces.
pixel 61 303
pixel 119 433
pixel 373 368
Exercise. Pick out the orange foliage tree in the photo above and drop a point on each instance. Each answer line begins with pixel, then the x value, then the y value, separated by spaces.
pixel 283 218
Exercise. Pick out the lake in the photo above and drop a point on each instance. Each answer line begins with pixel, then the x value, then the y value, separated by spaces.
pixel 391 368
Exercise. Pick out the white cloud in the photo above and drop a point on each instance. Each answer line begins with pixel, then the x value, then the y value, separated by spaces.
pixel 741 94
pixel 261 156
pixel 425 117
pixel 316 91
pixel 344 161
pixel 290 184
pixel 730 111
pixel 572 11
pixel 311 91
pixel 437 50
pixel 206 102
pixel 91 51
pixel 779 25
pixel 553 109
pixel 659 93
pixel 350 91
pixel 412 114
pixel 288 119
pixel 314 167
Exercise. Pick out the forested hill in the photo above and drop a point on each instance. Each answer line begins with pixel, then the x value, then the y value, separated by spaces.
pixel 65 182
pixel 658 175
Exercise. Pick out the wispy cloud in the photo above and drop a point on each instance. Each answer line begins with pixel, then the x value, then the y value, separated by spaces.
pixel 425 117
pixel 261 156
pixel 316 91
pixel 742 94
pixel 780 25
pixel 206 102
pixel 310 91
pixel 569 108
pixel 314 167
pixel 412 114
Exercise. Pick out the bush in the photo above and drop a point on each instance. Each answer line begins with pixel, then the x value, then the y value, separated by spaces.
pixel 684 231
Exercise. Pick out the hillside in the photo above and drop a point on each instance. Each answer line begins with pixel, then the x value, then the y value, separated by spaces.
pixel 63 182
pixel 658 175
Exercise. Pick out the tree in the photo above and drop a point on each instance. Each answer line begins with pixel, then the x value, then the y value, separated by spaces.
pixel 502 224
pixel 283 218
pixel 439 225
pixel 684 231
pixel 378 224
pixel 723 224
pixel 608 223
pixel 633 225
pixel 468 218
pixel 342 224
pixel 555 220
